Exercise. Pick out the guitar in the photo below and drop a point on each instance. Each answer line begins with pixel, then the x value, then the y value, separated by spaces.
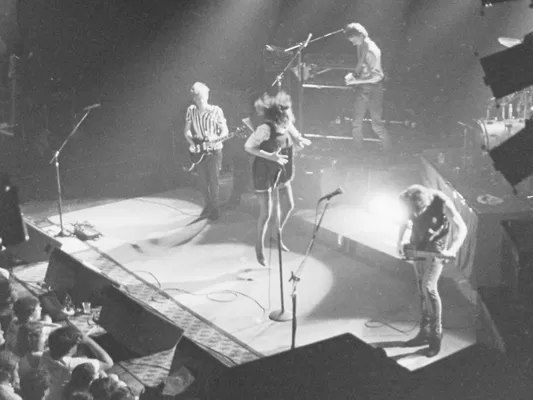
pixel 419 255
pixel 203 147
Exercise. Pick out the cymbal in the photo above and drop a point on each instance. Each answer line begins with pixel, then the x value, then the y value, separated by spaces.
pixel 509 42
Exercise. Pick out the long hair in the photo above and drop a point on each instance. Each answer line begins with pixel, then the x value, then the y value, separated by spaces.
pixel 355 29
pixel 276 109
pixel 415 197
pixel 29 337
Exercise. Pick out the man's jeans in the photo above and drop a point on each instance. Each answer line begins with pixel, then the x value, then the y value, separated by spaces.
pixel 209 172
pixel 427 278
pixel 369 97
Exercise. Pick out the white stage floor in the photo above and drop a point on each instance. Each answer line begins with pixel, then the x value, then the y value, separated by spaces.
pixel 211 268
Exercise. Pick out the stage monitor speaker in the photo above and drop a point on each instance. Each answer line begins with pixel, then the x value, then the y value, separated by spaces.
pixel 136 325
pixel 38 248
pixel 474 373
pixel 82 282
pixel 514 157
pixel 509 71
pixel 12 226
pixel 343 367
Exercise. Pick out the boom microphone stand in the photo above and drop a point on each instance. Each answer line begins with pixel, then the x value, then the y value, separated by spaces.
pixel 295 277
pixel 300 47
pixel 282 314
pixel 55 159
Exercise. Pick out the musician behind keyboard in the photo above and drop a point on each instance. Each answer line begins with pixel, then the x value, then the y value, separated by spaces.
pixel 367 79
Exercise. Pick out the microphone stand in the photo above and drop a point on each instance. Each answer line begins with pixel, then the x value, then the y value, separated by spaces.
pixel 280 315
pixel 283 315
pixel 295 277
pixel 298 55
pixel 55 159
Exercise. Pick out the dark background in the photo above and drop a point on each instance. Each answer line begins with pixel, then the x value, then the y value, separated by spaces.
pixel 139 57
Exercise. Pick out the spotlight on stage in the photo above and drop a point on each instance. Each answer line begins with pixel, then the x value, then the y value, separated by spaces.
pixel 514 157
pixel 387 207
pixel 489 3
pixel 510 70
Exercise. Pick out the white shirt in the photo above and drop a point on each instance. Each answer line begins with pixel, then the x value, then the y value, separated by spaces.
pixel 60 371
pixel 372 61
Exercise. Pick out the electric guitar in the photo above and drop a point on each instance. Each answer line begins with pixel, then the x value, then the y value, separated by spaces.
pixel 419 255
pixel 203 147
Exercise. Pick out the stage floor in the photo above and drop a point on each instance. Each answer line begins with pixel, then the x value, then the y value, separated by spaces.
pixel 211 269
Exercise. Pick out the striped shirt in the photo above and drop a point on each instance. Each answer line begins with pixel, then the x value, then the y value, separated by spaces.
pixel 207 124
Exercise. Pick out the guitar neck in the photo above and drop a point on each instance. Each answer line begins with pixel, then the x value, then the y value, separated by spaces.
pixel 425 255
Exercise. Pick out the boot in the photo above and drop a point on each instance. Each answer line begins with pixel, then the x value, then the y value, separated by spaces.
pixel 260 255
pixel 422 336
pixel 434 344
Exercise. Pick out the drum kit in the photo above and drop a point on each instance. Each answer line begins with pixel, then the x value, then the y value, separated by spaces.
pixel 506 116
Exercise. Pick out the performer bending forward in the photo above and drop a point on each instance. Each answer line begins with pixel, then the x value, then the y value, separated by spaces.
pixel 431 215
pixel 273 167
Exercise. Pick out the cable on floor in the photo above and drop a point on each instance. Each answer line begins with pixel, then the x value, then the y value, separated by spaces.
pixel 164 205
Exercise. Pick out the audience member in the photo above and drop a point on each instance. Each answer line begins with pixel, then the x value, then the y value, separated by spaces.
pixel 81 396
pixel 7 299
pixel 8 376
pixel 35 385
pixel 123 393
pixel 59 360
pixel 26 309
pixel 30 346
pixel 103 388
pixel 81 379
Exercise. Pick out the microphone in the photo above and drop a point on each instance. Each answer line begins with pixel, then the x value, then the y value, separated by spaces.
pixel 328 196
pixel 92 106
pixel 307 40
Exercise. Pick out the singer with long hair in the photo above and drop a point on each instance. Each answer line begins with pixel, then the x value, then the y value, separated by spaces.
pixel 272 144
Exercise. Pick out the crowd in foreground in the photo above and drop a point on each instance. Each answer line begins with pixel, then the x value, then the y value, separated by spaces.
pixel 41 360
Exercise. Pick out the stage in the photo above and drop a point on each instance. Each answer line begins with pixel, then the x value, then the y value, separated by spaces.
pixel 205 276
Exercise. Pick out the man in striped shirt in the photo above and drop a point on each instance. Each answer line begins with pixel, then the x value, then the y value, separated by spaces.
pixel 205 121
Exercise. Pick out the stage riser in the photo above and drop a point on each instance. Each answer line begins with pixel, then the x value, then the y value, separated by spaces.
pixel 38 247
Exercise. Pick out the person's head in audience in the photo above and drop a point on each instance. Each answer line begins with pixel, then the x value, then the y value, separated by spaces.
pixel 30 338
pixel 35 385
pixel 27 309
pixel 103 388
pixel 8 368
pixel 152 392
pixel 81 379
pixel 123 393
pixel 64 342
pixel 80 396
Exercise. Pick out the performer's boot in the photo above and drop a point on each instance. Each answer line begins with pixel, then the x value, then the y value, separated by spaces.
pixel 423 335
pixel 260 255
pixel 434 343
pixel 282 245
